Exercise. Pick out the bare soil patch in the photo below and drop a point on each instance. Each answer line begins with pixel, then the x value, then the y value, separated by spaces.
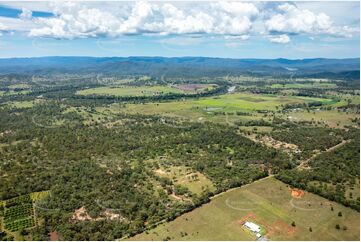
pixel 81 215
pixel 160 171
pixel 297 193
pixel 54 236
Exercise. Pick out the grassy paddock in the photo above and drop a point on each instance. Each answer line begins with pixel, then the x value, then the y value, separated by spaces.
pixel 308 85
pixel 21 104
pixel 333 118
pixel 269 203
pixel 221 109
pixel 194 181
pixel 130 91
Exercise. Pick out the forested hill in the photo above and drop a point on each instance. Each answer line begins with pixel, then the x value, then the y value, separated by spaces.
pixel 181 66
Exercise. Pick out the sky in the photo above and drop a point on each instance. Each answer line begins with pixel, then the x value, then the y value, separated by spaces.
pixel 230 29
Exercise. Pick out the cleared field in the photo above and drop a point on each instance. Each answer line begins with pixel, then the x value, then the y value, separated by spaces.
pixel 184 110
pixel 19 86
pixel 221 109
pixel 333 118
pixel 268 203
pixel 130 91
pixel 245 101
pixel 193 88
pixel 194 181
pixel 21 104
pixel 308 85
pixel 146 90
pixel 354 99
pixel 12 92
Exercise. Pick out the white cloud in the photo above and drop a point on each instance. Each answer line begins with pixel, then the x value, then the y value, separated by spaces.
pixel 280 39
pixel 2 27
pixel 238 37
pixel 294 20
pixel 335 9
pixel 237 20
pixel 237 8
pixel 73 20
pixel 15 24
pixel 26 14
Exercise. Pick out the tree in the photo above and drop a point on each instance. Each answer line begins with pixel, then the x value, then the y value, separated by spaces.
pixel 293 224
pixel 337 226
pixel 23 232
pixel 340 214
pixel 310 229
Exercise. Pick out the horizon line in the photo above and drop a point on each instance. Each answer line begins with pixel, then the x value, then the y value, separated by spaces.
pixel 171 57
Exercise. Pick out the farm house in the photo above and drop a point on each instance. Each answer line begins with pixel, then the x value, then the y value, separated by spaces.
pixel 253 227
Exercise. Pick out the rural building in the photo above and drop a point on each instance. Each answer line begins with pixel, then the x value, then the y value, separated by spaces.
pixel 253 227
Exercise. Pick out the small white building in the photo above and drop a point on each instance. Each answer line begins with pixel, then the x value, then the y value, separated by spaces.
pixel 253 227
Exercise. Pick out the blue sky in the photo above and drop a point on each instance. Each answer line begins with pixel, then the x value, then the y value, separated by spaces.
pixel 292 30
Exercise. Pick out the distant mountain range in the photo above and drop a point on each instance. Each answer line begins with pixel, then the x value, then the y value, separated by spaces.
pixel 179 66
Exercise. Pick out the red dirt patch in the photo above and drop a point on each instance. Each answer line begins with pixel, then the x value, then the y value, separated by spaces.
pixel 296 193
pixel 54 236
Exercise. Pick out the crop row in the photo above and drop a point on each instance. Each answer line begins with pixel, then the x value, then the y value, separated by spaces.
pixel 18 200
pixel 20 224
pixel 18 212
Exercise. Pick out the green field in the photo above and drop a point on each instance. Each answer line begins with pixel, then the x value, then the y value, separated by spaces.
pixel 130 91
pixel 19 86
pixel 268 203
pixel 21 104
pixel 343 102
pixel 333 118
pixel 194 181
pixel 184 110
pixel 245 101
pixel 302 85
pixel 212 108
pixel 12 92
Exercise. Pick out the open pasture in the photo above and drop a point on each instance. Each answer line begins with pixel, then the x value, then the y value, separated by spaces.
pixel 220 109
pixel 194 181
pixel 333 118
pixel 21 104
pixel 184 110
pixel 304 85
pixel 14 92
pixel 128 91
pixel 194 88
pixel 345 99
pixel 269 203
pixel 254 102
